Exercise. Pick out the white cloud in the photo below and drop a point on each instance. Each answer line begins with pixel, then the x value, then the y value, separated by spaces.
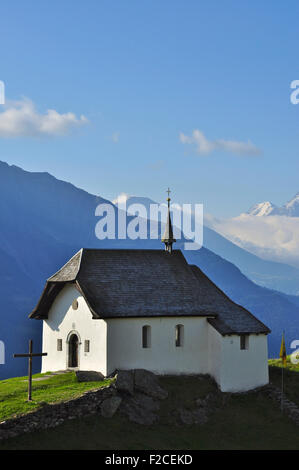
pixel 21 119
pixel 121 199
pixel 270 237
pixel 203 146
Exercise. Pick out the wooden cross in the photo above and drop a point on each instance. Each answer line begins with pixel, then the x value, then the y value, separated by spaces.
pixel 30 355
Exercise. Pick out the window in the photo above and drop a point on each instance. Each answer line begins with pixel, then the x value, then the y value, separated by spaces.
pixel 75 304
pixel 179 336
pixel 146 336
pixel 244 341
pixel 59 345
pixel 86 345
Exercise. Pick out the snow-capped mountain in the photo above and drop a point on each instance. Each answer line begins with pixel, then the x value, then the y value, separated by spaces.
pixel 263 208
pixel 266 230
pixel 290 209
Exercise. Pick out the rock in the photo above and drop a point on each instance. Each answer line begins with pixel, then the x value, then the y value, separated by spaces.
pixel 140 409
pixel 89 376
pixel 51 415
pixel 125 381
pixel 199 416
pixel 200 402
pixel 110 406
pixel 189 417
pixel 147 383
pixel 185 416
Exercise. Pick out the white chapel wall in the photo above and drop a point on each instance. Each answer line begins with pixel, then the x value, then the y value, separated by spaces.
pixel 243 369
pixel 214 353
pixel 62 320
pixel 125 349
pixel 117 344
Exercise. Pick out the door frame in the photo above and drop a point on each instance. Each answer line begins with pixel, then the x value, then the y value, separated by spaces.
pixel 72 332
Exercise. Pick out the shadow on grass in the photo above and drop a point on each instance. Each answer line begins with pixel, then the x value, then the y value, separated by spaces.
pixel 290 380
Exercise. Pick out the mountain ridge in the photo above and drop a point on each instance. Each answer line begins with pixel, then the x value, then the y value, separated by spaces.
pixel 267 208
pixel 39 234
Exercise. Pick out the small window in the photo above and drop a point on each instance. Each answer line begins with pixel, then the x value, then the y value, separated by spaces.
pixel 179 336
pixel 59 345
pixel 244 341
pixel 86 345
pixel 146 336
pixel 75 304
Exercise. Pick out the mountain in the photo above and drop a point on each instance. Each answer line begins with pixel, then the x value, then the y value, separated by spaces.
pixel 290 209
pixel 263 208
pixel 266 273
pixel 270 274
pixel 44 221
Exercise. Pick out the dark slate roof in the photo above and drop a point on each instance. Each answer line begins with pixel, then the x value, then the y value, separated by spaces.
pixel 231 318
pixel 146 283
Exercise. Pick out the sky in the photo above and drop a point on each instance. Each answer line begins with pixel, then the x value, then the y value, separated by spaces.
pixel 130 96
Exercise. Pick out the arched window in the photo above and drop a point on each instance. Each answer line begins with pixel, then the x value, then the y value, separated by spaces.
pixel 179 335
pixel 146 336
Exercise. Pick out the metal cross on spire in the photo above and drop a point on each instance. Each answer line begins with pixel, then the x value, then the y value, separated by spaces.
pixel 168 199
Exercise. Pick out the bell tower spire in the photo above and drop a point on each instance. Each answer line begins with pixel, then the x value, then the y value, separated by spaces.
pixel 167 238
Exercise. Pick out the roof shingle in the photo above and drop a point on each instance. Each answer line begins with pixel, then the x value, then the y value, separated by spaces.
pixel 141 283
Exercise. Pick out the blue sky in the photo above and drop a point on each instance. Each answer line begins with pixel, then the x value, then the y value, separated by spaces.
pixel 144 73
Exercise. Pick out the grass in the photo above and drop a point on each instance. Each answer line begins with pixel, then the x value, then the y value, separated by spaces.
pixel 247 421
pixel 242 425
pixel 52 389
pixel 291 377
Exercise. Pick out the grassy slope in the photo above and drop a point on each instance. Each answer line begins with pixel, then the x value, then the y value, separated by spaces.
pixel 247 421
pixel 291 378
pixel 13 392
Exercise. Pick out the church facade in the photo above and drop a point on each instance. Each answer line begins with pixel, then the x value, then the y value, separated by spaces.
pixel 126 309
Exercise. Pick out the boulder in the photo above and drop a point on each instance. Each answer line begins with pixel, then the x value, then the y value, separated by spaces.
pixel 125 381
pixel 140 409
pixel 89 376
pixel 147 383
pixel 110 406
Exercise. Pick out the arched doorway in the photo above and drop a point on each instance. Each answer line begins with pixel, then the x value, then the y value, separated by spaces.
pixel 73 350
